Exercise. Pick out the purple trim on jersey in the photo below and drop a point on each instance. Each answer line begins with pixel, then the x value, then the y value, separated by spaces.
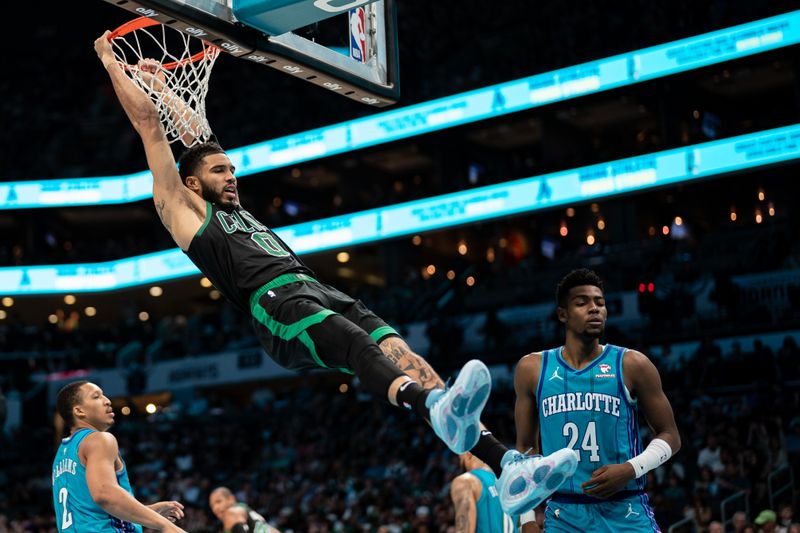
pixel 542 368
pixel 633 414
pixel 650 514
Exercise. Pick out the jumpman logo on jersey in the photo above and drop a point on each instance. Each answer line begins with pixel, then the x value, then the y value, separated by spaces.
pixel 555 375
pixel 631 512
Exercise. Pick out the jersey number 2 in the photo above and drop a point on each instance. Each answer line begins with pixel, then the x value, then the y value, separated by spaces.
pixel 66 518
pixel 268 244
pixel 589 442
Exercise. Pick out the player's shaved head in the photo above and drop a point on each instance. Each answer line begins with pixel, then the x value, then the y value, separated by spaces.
pixel 220 500
pixel 222 491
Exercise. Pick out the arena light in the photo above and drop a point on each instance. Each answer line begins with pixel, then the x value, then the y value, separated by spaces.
pixel 473 106
pixel 566 187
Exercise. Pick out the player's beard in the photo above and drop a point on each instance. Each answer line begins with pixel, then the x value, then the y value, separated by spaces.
pixel 215 197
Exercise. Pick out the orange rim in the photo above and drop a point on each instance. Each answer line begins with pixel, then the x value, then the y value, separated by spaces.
pixel 144 22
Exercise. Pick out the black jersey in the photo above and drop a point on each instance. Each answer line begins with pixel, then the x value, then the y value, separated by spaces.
pixel 239 254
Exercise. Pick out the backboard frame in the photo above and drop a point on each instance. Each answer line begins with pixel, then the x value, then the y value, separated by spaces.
pixel 287 53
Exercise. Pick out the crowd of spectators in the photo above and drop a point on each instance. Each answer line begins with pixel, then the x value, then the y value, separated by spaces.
pixel 140 336
pixel 314 459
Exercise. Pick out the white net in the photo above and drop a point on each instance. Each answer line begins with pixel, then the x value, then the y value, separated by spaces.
pixel 173 69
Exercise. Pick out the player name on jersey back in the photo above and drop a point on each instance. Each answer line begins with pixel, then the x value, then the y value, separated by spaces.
pixel 65 465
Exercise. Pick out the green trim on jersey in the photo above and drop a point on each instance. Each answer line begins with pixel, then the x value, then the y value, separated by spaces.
pixel 206 221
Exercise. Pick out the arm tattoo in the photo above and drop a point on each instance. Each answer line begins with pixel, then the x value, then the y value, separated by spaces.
pixel 417 368
pixel 462 514
pixel 160 206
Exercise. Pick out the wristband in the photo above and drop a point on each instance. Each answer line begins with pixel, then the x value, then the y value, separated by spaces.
pixel 529 516
pixel 656 454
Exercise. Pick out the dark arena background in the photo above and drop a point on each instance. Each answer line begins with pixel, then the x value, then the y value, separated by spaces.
pixel 530 139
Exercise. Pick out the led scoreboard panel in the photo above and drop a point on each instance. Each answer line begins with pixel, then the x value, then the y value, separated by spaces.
pixel 514 197
pixel 526 93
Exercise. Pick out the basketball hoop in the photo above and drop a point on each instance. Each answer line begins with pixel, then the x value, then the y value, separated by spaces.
pixel 179 86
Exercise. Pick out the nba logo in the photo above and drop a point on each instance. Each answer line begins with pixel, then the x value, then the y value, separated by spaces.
pixel 605 369
pixel 358 37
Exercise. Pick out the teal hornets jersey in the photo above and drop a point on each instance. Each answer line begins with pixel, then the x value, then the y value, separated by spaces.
pixel 589 410
pixel 491 518
pixel 75 509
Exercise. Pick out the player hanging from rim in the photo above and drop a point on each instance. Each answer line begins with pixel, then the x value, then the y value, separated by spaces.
pixel 587 396
pixel 300 322
pixel 91 490
pixel 236 517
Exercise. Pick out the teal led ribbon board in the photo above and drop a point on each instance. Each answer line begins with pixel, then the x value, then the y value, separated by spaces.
pixel 520 196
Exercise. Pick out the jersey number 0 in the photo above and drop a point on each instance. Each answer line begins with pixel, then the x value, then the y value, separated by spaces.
pixel 268 243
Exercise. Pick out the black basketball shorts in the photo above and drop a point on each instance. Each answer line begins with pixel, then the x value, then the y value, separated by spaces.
pixel 285 308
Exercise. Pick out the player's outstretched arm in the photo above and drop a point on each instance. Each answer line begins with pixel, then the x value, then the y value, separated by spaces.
pixel 462 492
pixel 181 211
pixel 100 451
pixel 526 414
pixel 171 510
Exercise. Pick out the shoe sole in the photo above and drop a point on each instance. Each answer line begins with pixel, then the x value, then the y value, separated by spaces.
pixel 522 495
pixel 463 424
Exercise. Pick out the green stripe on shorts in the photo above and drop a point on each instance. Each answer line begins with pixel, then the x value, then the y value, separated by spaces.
pixel 308 342
pixel 297 330
pixel 383 331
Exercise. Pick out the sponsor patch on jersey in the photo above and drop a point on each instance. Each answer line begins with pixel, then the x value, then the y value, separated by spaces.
pixel 605 371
